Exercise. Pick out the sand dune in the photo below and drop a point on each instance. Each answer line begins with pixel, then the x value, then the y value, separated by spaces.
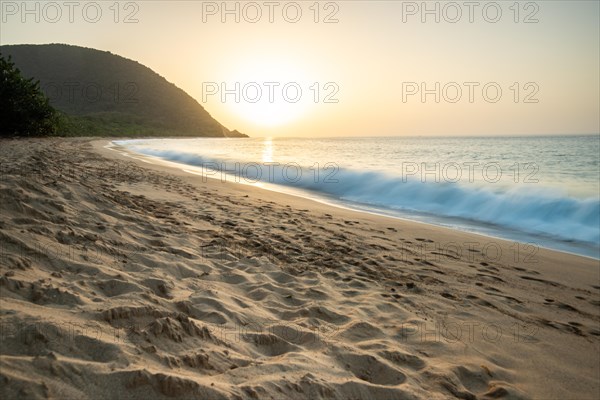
pixel 128 280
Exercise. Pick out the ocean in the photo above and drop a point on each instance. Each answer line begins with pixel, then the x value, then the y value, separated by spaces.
pixel 544 191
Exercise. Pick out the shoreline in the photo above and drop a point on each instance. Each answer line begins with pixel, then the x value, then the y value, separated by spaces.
pixel 131 280
pixel 306 203
pixel 582 249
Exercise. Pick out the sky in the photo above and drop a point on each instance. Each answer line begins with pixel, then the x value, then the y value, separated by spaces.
pixel 351 68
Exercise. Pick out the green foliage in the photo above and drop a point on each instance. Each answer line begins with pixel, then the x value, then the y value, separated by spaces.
pixel 102 94
pixel 24 109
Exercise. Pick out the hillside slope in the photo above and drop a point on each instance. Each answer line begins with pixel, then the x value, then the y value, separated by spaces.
pixel 105 94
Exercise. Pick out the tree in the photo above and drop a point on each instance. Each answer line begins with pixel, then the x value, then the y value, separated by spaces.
pixel 24 109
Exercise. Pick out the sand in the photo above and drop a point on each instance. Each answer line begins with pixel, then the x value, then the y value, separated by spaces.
pixel 122 279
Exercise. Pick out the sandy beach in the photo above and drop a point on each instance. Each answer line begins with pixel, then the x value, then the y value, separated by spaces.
pixel 124 279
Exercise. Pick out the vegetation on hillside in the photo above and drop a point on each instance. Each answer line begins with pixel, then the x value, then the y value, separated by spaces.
pixel 102 94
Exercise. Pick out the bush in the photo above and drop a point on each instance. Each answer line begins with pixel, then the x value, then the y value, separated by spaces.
pixel 24 109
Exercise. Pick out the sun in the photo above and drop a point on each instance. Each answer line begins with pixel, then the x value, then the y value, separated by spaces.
pixel 268 91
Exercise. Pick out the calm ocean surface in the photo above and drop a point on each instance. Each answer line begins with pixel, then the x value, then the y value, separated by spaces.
pixel 540 190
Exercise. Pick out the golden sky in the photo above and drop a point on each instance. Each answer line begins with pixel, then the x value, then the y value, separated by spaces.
pixel 351 68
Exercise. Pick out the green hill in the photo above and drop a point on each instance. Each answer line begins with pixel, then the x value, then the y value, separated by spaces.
pixel 105 94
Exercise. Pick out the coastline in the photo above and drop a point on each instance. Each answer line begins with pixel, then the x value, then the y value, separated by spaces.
pixel 376 303
pixel 102 145
pixel 494 220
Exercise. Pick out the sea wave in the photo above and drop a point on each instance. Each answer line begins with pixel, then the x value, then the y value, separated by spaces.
pixel 533 209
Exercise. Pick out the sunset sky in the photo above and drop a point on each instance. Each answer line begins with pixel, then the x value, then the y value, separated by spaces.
pixel 372 58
